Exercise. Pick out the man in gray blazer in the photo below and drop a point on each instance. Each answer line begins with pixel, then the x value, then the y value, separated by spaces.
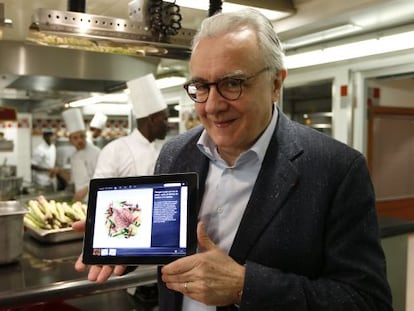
pixel 287 215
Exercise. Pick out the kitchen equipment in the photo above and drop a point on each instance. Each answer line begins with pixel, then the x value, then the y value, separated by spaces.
pixel 6 145
pixel 10 187
pixel 8 171
pixel 54 235
pixel 11 231
pixel 113 35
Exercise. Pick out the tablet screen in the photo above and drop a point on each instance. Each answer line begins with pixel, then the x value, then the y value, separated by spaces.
pixel 141 220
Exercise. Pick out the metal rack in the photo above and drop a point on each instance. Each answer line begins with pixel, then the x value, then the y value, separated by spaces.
pixel 106 34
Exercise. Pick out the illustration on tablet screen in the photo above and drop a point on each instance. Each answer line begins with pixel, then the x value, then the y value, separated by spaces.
pixel 122 219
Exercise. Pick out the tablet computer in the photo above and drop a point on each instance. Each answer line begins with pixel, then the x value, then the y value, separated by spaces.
pixel 141 220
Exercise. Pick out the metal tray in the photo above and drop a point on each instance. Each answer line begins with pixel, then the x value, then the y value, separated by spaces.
pixel 55 235
pixel 63 251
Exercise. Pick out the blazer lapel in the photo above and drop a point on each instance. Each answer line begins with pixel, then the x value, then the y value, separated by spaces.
pixel 275 181
pixel 198 163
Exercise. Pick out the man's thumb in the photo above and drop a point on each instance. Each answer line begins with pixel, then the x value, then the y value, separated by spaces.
pixel 204 242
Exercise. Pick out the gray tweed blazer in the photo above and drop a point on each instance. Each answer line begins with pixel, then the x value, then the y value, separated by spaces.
pixel 309 235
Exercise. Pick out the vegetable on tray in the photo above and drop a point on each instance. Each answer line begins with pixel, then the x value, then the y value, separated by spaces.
pixel 49 214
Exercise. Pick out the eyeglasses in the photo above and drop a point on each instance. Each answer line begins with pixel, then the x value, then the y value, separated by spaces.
pixel 229 88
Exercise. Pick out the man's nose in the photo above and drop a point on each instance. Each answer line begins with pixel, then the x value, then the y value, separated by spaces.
pixel 214 100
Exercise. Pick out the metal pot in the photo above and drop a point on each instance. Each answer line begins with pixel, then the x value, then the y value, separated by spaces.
pixel 11 231
pixel 10 187
pixel 8 170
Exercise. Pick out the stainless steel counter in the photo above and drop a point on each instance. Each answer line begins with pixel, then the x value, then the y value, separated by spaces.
pixel 45 273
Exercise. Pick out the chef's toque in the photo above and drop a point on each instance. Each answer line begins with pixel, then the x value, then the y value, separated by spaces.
pixel 98 121
pixel 73 120
pixel 146 98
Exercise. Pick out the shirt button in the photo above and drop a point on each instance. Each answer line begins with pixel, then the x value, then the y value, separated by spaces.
pixel 219 210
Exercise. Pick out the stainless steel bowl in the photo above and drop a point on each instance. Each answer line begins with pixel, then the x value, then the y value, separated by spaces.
pixel 11 231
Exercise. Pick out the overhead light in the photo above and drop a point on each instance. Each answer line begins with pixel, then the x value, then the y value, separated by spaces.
pixel 4 22
pixel 108 109
pixel 369 47
pixel 323 35
pixel 230 7
pixel 123 97
pixel 167 82
pixel 107 98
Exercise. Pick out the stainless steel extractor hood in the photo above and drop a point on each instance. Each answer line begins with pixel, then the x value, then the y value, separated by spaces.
pixel 107 34
pixel 34 77
pixel 66 63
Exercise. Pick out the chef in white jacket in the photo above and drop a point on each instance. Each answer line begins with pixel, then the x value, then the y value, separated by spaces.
pixel 83 161
pixel 135 154
pixel 96 127
pixel 43 162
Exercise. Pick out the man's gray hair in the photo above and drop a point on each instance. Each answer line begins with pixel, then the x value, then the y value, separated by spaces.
pixel 268 40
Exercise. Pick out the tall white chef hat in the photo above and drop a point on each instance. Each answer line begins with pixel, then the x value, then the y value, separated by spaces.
pixel 73 120
pixel 99 120
pixel 145 96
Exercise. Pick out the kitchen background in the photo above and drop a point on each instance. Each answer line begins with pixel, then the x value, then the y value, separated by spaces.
pixel 350 75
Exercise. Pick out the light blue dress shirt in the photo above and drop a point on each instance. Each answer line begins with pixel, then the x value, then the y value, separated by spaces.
pixel 227 191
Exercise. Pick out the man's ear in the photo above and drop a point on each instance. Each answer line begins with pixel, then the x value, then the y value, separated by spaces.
pixel 277 83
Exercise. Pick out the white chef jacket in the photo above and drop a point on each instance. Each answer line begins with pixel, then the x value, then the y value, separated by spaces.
pixel 98 141
pixel 43 156
pixel 131 155
pixel 83 163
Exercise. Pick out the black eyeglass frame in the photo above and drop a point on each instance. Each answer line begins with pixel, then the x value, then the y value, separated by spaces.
pixel 240 81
